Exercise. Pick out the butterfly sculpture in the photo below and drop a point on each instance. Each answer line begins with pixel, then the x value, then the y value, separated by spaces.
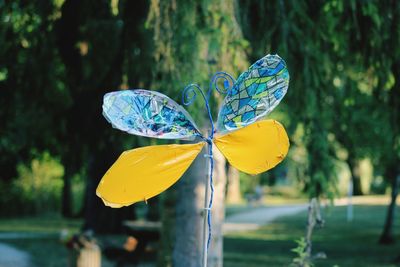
pixel 250 144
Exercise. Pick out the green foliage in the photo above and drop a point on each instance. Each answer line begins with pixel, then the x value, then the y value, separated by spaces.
pixel 59 57
pixel 33 90
pixel 39 185
pixel 36 190
pixel 341 84
pixel 192 41
pixel 302 259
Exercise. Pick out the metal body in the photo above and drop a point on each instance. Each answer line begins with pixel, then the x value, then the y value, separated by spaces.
pixel 187 99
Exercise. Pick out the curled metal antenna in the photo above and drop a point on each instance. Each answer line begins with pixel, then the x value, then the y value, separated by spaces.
pixel 227 80
pixel 189 94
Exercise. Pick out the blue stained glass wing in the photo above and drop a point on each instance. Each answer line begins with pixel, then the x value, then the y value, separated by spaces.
pixel 148 113
pixel 255 93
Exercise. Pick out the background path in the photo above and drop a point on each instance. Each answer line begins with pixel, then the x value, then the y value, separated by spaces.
pixel 254 218
pixel 12 257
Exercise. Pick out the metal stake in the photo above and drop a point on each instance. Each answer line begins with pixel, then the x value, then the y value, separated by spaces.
pixel 206 210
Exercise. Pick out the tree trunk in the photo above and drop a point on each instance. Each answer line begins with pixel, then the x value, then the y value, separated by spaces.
pixel 100 148
pixel 67 196
pixel 233 195
pixel 215 253
pixel 98 217
pixel 393 171
pixel 189 214
pixel 67 33
pixel 387 236
pixel 354 167
pixel 168 211
pixel 70 164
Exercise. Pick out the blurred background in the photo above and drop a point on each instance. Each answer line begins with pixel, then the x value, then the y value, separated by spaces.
pixel 342 113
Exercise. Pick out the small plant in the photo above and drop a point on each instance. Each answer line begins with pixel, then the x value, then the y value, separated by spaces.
pixel 302 258
pixel 304 245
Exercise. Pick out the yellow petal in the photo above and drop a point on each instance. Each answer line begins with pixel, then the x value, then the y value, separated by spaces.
pixel 145 172
pixel 255 148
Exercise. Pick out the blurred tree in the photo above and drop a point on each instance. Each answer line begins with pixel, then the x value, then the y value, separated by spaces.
pixel 343 58
pixel 32 88
pixel 371 59
pixel 339 81
pixel 95 65
pixel 193 40
pixel 296 31
pixel 357 111
pixel 375 55
pixel 30 101
pixel 233 194
pixel 58 59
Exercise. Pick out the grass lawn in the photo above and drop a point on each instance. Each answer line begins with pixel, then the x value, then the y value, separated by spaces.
pixel 41 225
pixel 46 248
pixel 345 243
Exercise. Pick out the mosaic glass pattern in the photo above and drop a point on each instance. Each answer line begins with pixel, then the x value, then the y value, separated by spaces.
pixel 255 93
pixel 148 113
